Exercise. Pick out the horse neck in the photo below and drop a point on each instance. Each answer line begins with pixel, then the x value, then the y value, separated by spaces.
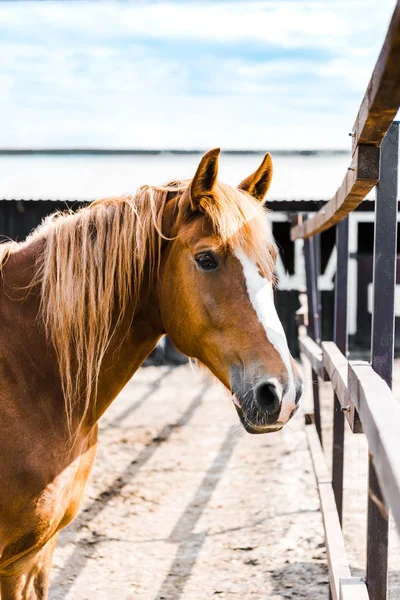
pixel 127 351
pixel 136 336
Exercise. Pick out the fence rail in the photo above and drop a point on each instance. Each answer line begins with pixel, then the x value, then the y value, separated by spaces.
pixel 362 391
pixel 376 113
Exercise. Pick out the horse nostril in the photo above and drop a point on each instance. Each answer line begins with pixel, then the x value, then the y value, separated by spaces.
pixel 267 398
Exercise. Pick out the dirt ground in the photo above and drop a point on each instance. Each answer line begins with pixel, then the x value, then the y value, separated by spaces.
pixel 183 504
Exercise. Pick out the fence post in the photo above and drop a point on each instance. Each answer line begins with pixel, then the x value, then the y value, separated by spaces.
pixel 311 259
pixel 382 346
pixel 340 338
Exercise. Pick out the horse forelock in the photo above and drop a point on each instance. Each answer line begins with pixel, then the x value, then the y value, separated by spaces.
pixel 239 221
pixel 242 223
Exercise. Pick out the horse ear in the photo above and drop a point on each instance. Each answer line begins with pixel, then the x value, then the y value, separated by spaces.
pixel 258 183
pixel 205 177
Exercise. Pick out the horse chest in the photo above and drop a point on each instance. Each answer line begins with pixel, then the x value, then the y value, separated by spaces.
pixel 36 516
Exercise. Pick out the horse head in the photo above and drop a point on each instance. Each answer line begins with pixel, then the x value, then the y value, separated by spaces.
pixel 215 292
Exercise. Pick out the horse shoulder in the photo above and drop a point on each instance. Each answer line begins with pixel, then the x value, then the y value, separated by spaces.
pixel 37 516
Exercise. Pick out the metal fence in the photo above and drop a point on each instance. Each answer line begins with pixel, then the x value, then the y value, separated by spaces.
pixel 362 391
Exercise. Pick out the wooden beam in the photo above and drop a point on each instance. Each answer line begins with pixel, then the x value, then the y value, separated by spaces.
pixel 336 365
pixel 313 353
pixel 382 97
pixel 361 177
pixel 380 415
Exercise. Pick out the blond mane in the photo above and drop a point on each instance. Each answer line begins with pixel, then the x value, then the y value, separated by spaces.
pixel 96 260
pixel 4 254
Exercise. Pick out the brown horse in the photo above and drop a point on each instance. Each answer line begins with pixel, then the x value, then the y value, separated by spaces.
pixel 82 303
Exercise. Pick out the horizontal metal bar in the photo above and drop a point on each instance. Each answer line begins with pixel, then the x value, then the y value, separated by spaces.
pixel 336 553
pixel 313 353
pixel 380 415
pixel 336 365
pixel 382 97
pixel 361 177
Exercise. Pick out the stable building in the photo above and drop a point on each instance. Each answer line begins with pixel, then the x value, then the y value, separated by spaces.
pixel 35 184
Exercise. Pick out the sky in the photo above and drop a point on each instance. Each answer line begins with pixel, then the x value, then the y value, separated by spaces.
pixel 273 74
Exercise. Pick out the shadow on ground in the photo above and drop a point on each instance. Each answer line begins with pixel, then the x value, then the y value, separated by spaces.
pixel 188 541
pixel 75 564
pixel 296 579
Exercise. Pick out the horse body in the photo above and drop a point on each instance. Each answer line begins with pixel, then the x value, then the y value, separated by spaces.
pixel 43 469
pixel 192 286
pixel 31 432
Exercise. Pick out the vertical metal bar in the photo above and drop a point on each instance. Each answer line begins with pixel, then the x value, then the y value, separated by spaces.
pixel 312 289
pixel 385 243
pixel 353 274
pixel 308 259
pixel 316 243
pixel 313 319
pixel 382 346
pixel 340 316
pixel 317 252
pixel 340 338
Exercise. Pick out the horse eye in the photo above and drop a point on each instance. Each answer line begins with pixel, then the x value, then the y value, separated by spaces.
pixel 207 261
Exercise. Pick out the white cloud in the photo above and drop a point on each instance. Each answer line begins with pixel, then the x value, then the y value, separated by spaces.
pixel 289 24
pixel 186 74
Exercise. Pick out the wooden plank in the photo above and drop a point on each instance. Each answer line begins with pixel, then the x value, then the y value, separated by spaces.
pixel 382 97
pixel 337 560
pixel 380 415
pixel 361 177
pixel 353 588
pixel 336 366
pixel 313 354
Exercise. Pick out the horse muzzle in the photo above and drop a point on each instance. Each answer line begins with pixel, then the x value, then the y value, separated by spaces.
pixel 265 406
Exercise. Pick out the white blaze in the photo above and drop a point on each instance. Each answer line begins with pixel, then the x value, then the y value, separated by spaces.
pixel 262 299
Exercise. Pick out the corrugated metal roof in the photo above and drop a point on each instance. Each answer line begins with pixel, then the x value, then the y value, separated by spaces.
pixel 87 177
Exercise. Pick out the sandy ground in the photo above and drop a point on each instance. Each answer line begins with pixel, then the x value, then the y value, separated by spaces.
pixel 183 504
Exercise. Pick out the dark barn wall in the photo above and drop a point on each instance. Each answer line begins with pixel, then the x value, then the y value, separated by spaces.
pixel 18 218
pixel 287 303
